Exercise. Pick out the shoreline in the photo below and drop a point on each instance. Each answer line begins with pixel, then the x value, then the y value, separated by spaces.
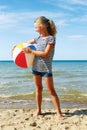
pixel 24 119
pixel 18 104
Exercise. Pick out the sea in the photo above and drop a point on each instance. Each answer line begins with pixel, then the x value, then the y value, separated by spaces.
pixel 17 89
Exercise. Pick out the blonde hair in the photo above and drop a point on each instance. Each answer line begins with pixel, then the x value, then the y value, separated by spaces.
pixel 51 28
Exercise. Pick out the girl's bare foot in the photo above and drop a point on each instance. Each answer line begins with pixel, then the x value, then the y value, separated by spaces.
pixel 37 113
pixel 60 116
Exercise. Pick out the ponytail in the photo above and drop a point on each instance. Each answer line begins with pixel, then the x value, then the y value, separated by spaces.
pixel 52 28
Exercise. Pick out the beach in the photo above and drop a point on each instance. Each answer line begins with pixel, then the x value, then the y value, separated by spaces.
pixel 24 119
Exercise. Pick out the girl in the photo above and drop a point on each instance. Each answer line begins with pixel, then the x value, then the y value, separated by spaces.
pixel 42 66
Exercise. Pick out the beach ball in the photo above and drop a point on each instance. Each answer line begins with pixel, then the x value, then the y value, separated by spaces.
pixel 22 59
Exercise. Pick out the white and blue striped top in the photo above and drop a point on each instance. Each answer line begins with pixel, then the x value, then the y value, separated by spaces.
pixel 44 64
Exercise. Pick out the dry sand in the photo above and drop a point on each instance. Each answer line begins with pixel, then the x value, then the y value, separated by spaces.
pixel 24 119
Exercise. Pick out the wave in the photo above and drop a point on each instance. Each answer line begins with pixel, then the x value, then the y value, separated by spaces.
pixel 25 96
pixel 64 95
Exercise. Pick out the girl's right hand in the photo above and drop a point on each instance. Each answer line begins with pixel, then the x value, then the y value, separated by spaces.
pixel 13 48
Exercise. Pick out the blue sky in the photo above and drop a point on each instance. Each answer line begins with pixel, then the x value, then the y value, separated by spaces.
pixel 70 16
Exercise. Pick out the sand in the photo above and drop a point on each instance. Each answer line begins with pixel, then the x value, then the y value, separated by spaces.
pixel 24 119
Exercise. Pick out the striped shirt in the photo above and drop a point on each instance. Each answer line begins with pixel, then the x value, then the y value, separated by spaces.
pixel 42 64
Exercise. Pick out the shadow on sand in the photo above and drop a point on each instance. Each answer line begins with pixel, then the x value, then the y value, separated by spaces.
pixel 68 113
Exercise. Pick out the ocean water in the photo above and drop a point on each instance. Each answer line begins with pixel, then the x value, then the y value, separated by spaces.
pixel 17 88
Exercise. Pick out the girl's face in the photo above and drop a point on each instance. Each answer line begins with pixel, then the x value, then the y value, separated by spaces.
pixel 40 28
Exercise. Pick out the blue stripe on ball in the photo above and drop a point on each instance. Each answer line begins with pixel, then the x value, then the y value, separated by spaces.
pixel 32 47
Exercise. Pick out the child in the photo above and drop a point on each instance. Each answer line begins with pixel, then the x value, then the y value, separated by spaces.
pixel 42 66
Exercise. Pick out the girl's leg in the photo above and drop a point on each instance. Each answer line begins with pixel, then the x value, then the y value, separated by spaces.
pixel 55 99
pixel 39 88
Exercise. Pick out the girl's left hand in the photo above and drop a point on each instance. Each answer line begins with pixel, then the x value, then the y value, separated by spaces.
pixel 27 50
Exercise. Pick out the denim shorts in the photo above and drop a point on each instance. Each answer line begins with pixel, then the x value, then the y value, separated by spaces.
pixel 43 74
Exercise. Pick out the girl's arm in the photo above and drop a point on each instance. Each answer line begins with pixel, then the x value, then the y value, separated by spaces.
pixel 30 42
pixel 40 53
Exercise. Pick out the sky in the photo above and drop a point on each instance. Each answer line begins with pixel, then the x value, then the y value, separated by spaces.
pixel 70 16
